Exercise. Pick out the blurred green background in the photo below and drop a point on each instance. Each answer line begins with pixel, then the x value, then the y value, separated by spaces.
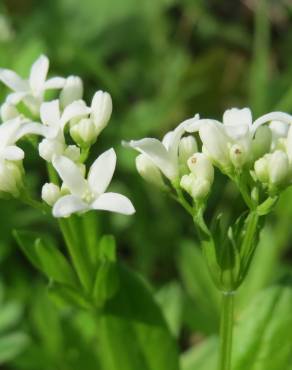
pixel 162 61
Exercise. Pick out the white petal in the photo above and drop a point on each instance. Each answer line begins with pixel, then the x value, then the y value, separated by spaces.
pixel 12 153
pixel 101 171
pixel 156 151
pixel 235 116
pixel 67 205
pixel 114 202
pixel 77 109
pixel 50 113
pixel 71 175
pixel 13 81
pixel 197 124
pixel 16 97
pixel 236 132
pixel 273 116
pixel 38 74
pixel 8 131
pixel 55 83
pixel 31 128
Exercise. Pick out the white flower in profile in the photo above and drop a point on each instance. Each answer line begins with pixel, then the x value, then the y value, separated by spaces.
pixel 31 91
pixel 13 130
pixel 164 154
pixel 89 194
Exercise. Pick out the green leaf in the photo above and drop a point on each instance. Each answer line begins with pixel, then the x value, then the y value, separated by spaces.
pixel 26 240
pixel 201 357
pixel 107 248
pixel 132 331
pixel 106 282
pixel 10 314
pixel 54 264
pixel 66 296
pixel 11 345
pixel 263 336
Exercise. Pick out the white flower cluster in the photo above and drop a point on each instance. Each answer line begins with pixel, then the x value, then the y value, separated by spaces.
pixel 246 151
pixel 66 119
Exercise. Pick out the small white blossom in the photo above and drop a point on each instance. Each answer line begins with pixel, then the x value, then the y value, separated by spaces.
pixel 147 169
pixel 11 173
pixel 31 91
pixel 90 193
pixel 164 154
pixel 72 90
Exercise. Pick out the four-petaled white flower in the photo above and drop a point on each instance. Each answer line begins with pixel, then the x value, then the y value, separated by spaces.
pixel 31 91
pixel 164 154
pixel 89 194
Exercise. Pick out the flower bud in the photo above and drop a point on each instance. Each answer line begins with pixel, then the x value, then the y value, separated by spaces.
pixel 278 167
pixel 11 174
pixel 279 129
pixel 201 166
pixel 262 141
pixel 84 133
pixel 261 169
pixel 187 147
pixel 215 143
pixel 197 187
pixel 289 144
pixel 72 90
pixel 101 109
pixel 238 155
pixel 149 171
pixel 49 148
pixel 50 193
pixel 72 152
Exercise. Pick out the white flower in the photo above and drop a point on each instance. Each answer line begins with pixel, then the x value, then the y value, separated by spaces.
pixel 101 109
pixel 51 117
pixel 187 147
pixel 88 194
pixel 8 112
pixel 164 154
pixel 31 91
pixel 72 90
pixel 197 187
pixel 84 133
pixel 201 166
pixel 237 129
pixel 13 130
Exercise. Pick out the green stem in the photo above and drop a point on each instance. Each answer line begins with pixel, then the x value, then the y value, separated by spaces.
pixel 226 329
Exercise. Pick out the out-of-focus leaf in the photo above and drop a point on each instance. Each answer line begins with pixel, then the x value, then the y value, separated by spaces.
pixel 66 296
pixel 10 314
pixel 201 357
pixel 133 333
pixel 106 282
pixel 11 345
pixel 170 298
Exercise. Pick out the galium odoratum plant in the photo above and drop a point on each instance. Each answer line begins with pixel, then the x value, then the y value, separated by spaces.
pixel 62 131
pixel 255 155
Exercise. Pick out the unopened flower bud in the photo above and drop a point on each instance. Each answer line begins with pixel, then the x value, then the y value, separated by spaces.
pixel 215 143
pixel 72 152
pixel 101 109
pixel 261 169
pixel 238 155
pixel 187 147
pixel 262 142
pixel 84 133
pixel 289 144
pixel 49 148
pixel 201 166
pixel 72 90
pixel 50 193
pixel 8 112
pixel 278 167
pixel 197 187
pixel 11 176
pixel 149 171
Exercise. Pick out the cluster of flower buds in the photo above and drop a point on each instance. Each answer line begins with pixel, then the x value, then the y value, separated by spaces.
pixel 239 147
pixel 68 127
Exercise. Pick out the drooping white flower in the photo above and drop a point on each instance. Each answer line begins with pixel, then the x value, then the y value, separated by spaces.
pixel 89 194
pixel 164 154
pixel 50 193
pixel 31 91
pixel 147 169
